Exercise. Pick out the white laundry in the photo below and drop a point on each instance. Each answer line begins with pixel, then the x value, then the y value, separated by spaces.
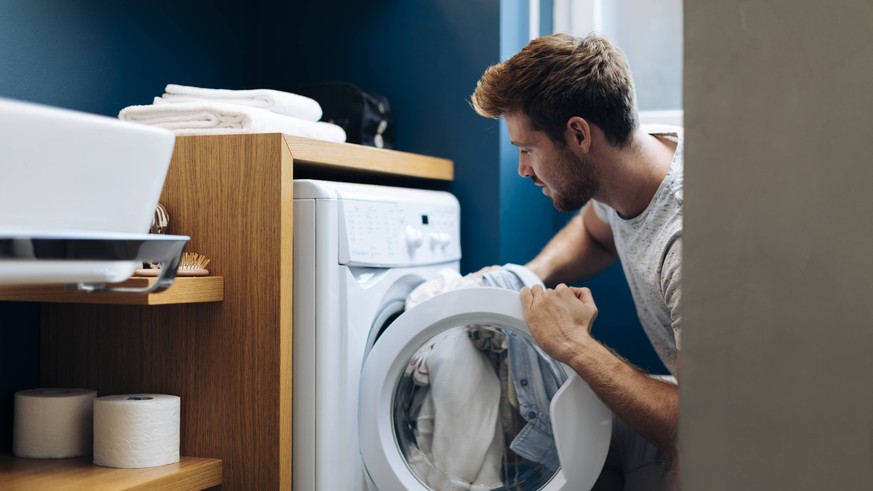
pixel 212 118
pixel 448 280
pixel 459 437
pixel 286 103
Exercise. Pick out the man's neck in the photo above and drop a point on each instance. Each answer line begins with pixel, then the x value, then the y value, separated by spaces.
pixel 633 174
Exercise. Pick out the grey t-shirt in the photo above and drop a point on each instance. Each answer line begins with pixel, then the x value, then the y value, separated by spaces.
pixel 650 249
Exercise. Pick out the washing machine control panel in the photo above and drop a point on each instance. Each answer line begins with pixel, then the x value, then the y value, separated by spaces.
pixel 380 233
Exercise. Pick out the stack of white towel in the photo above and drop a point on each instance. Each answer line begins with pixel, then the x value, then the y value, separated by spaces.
pixel 200 111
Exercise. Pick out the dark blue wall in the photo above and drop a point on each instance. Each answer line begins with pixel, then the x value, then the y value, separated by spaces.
pixel 426 57
pixel 100 56
pixel 527 218
pixel 19 359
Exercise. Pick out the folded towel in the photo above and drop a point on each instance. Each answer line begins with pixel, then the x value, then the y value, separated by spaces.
pixel 271 100
pixel 212 118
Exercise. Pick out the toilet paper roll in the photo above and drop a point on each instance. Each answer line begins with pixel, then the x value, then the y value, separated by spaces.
pixel 52 423
pixel 136 430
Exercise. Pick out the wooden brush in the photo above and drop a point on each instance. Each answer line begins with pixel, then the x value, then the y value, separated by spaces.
pixel 192 264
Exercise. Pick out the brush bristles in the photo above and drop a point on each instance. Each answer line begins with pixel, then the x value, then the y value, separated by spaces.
pixel 192 260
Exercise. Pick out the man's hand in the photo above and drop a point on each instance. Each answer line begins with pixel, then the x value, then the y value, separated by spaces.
pixel 560 320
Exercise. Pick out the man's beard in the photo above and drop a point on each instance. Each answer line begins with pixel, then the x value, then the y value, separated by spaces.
pixel 578 183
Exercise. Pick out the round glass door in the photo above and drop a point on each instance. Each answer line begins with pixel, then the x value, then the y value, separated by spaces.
pixel 456 395
pixel 471 410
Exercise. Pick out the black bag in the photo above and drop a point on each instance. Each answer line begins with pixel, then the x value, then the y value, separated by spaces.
pixel 365 116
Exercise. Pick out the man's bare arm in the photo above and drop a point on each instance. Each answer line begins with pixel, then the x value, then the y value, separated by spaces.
pixel 583 248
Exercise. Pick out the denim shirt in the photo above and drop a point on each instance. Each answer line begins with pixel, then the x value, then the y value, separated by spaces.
pixel 534 377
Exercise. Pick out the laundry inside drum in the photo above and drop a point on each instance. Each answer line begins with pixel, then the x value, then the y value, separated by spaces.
pixel 471 410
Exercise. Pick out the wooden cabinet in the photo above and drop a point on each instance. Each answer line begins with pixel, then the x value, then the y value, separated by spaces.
pixel 229 360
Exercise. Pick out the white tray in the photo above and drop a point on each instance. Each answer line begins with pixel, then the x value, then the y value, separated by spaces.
pixel 87 260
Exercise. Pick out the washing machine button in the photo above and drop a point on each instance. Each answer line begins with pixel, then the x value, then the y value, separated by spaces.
pixel 414 238
pixel 446 241
pixel 439 239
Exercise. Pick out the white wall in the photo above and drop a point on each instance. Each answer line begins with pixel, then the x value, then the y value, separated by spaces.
pixel 777 377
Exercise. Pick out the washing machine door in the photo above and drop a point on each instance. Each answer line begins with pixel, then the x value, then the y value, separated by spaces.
pixel 449 397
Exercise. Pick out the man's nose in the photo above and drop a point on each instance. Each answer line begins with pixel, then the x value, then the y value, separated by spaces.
pixel 524 170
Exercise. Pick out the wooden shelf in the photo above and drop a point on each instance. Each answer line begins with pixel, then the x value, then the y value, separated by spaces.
pixel 191 473
pixel 309 153
pixel 184 290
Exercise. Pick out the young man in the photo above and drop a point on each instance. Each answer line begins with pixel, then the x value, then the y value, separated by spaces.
pixel 570 108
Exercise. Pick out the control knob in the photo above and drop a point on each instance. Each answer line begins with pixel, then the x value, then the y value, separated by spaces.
pixel 414 238
pixel 440 239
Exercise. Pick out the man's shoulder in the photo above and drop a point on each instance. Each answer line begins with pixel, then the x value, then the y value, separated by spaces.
pixel 602 211
pixel 660 129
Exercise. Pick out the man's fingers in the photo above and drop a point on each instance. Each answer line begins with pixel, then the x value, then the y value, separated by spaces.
pixel 583 294
pixel 527 295
pixel 535 290
pixel 565 292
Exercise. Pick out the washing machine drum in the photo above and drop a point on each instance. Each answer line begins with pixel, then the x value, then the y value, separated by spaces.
pixel 456 395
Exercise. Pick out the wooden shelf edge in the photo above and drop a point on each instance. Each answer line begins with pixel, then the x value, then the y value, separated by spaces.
pixel 184 290
pixel 348 156
pixel 191 473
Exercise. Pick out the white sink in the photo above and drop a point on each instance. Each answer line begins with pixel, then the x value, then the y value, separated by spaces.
pixel 71 175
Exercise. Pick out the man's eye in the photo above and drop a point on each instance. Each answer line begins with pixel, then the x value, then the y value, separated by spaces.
pixel 525 151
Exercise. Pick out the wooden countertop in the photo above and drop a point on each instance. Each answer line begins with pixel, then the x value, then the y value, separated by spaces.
pixel 191 473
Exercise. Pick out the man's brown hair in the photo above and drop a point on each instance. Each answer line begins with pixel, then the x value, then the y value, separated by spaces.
pixel 560 76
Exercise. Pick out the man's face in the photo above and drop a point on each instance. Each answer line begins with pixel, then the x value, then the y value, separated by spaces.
pixel 567 178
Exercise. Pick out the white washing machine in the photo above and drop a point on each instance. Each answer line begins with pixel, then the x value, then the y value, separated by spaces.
pixel 359 250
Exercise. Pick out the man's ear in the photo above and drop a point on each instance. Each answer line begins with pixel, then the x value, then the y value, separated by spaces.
pixel 578 133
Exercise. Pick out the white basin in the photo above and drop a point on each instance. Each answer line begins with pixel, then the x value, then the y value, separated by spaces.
pixel 71 174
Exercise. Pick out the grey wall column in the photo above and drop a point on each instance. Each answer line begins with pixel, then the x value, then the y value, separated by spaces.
pixel 777 378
